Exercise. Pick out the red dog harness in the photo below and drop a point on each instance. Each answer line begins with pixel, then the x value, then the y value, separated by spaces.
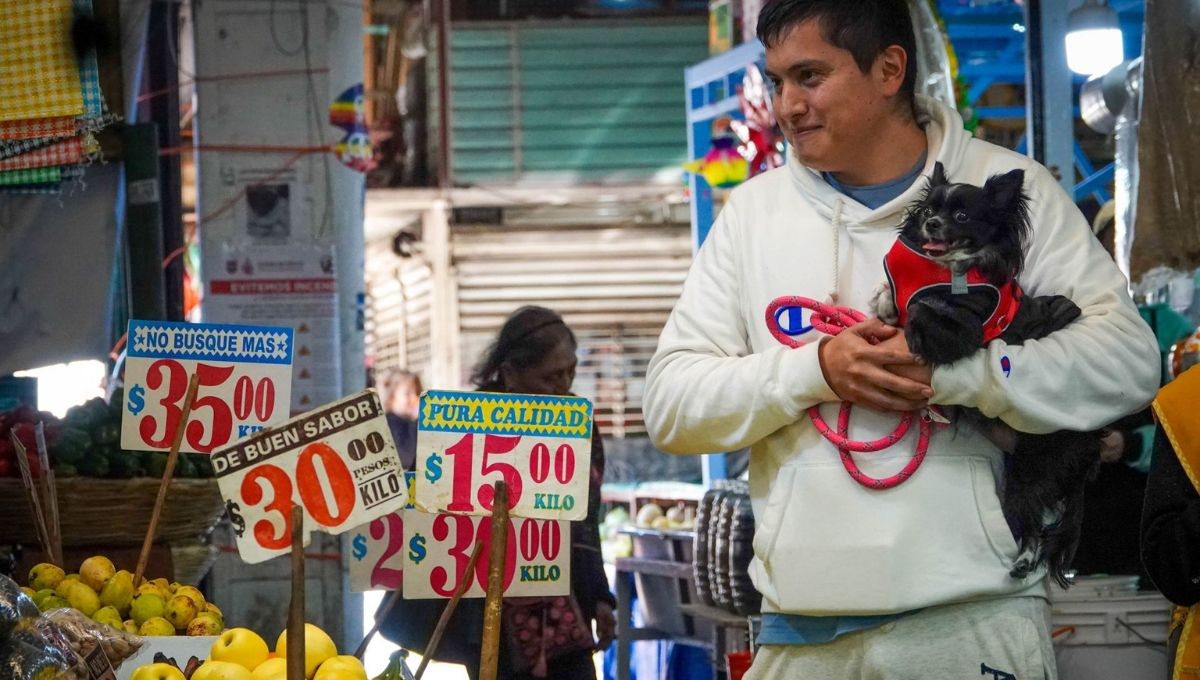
pixel 912 273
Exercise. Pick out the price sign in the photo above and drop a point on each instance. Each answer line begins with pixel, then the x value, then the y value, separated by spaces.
pixel 245 383
pixel 338 461
pixel 437 548
pixel 376 557
pixel 540 446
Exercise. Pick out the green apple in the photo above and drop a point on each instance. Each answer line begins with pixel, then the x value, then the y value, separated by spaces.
pixel 108 615
pixel 53 602
pixel 242 646
pixel 147 606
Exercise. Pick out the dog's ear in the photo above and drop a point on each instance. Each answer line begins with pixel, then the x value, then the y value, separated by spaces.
pixel 1005 190
pixel 938 178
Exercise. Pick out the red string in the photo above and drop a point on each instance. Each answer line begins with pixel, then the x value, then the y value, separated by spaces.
pixel 230 76
pixel 831 320
pixel 116 350
pixel 244 148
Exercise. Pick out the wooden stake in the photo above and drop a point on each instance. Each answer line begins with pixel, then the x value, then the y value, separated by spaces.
pixel 35 502
pixel 463 585
pixel 295 624
pixel 173 456
pixel 489 658
pixel 53 525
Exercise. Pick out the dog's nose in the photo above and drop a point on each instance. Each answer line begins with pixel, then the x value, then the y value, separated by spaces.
pixel 933 228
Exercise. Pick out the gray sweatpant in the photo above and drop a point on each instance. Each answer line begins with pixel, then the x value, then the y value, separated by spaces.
pixel 1005 639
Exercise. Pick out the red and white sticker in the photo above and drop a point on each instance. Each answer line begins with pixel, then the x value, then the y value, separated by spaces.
pixel 339 462
pixel 437 548
pixel 376 549
pixel 245 383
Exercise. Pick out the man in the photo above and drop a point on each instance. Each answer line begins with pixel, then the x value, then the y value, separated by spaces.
pixel 913 581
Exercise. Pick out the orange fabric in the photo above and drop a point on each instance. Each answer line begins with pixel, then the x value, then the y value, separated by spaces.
pixel 1176 408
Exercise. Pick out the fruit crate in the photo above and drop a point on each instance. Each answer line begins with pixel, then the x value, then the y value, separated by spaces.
pixel 114 512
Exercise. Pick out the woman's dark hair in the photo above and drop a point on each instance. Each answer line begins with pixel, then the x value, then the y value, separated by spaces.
pixel 528 335
pixel 864 28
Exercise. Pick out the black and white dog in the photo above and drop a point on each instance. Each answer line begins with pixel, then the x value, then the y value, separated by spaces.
pixel 952 287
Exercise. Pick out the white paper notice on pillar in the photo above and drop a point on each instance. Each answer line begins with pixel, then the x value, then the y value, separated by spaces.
pixel 287 285
pixel 376 549
pixel 338 461
pixel 437 548
pixel 541 446
pixel 244 383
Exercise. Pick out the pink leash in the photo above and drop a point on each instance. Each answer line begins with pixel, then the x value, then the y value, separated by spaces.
pixel 831 320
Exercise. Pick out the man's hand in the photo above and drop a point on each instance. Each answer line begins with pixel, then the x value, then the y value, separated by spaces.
pixel 1112 446
pixel 884 376
pixel 606 625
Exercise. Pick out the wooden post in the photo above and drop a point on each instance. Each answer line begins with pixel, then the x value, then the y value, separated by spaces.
pixel 463 585
pixel 490 656
pixel 295 623
pixel 173 456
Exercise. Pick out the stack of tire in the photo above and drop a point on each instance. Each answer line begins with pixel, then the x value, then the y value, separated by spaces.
pixel 723 549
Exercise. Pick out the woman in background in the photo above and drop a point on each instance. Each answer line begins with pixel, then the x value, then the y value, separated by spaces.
pixel 400 394
pixel 534 353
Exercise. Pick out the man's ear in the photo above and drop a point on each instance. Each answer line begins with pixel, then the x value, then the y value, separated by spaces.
pixel 1004 191
pixel 891 65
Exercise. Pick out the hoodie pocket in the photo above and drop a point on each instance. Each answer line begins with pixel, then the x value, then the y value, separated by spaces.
pixel 830 546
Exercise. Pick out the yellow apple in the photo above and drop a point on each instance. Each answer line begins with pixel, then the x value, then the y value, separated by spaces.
pixel 83 598
pixel 318 647
pixel 344 667
pixel 65 584
pixel 157 671
pixel 45 575
pixel 221 670
pixel 205 624
pixel 180 611
pixel 95 571
pixel 118 592
pixel 270 668
pixel 193 593
pixel 156 626
pixel 241 646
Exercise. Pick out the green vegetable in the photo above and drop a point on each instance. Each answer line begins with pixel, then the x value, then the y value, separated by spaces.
pixel 71 446
pixel 95 465
pixel 123 464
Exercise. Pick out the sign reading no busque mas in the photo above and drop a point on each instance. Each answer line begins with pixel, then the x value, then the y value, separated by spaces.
pixel 539 445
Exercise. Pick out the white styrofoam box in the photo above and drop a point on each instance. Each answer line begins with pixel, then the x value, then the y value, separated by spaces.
pixel 1117 620
pixel 178 647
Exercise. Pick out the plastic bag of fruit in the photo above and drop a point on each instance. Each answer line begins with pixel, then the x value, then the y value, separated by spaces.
pixel 16 609
pixel 32 654
pixel 85 636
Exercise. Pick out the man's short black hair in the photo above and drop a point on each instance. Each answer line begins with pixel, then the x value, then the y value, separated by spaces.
pixel 864 28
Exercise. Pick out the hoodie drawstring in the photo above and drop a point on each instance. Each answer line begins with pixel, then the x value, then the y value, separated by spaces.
pixel 836 226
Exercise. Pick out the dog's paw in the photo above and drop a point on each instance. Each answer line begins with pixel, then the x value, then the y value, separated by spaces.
pixel 1023 567
pixel 883 304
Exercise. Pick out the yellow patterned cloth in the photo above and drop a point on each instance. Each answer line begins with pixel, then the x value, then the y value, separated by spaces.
pixel 39 76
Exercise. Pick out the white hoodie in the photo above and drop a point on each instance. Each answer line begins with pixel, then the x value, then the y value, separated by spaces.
pixel 823 544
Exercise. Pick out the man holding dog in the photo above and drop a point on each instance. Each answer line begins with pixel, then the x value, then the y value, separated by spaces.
pixel 910 581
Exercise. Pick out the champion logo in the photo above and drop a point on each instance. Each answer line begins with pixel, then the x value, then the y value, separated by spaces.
pixel 789 320
pixel 1006 365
